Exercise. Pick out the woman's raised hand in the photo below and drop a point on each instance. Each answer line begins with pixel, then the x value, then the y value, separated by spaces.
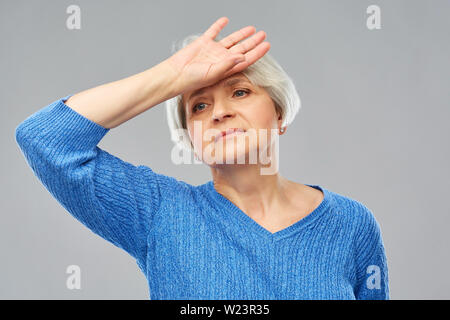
pixel 206 61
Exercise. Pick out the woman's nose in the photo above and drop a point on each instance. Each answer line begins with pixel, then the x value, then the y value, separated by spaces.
pixel 221 111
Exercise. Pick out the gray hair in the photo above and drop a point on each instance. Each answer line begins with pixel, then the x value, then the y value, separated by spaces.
pixel 265 73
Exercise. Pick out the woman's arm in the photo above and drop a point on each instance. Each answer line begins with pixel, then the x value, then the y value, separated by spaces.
pixel 113 198
pixel 114 103
pixel 372 277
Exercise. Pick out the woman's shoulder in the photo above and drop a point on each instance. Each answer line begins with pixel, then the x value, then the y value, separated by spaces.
pixel 353 209
pixel 347 202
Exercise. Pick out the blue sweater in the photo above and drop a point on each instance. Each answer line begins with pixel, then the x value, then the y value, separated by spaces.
pixel 190 241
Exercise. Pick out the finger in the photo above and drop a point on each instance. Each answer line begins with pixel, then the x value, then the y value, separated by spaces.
pixel 251 57
pixel 249 44
pixel 237 36
pixel 216 27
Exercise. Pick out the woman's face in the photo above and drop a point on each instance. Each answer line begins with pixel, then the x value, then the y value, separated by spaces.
pixel 233 102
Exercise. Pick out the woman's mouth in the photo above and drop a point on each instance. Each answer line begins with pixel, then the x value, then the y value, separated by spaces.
pixel 229 132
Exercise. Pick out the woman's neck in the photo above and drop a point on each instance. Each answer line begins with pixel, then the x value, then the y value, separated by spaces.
pixel 256 194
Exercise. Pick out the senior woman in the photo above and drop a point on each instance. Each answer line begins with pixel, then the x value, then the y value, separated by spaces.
pixel 242 235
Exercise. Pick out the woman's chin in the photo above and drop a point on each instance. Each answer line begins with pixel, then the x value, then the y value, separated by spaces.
pixel 230 157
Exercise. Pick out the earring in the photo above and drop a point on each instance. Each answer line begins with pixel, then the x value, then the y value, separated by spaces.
pixel 281 130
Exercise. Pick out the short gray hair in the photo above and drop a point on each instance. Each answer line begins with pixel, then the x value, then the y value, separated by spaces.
pixel 265 73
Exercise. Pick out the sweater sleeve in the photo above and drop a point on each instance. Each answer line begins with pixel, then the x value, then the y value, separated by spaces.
pixel 372 279
pixel 113 198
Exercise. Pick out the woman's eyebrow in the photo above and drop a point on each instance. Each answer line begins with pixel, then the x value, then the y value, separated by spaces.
pixel 227 83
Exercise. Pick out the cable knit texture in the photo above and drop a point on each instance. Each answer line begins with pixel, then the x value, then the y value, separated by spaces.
pixel 190 241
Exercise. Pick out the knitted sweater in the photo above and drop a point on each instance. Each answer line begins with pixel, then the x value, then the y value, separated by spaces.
pixel 190 241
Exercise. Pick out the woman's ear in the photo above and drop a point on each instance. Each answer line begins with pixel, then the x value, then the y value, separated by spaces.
pixel 278 112
pixel 280 122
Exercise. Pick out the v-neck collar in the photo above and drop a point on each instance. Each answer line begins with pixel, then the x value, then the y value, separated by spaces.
pixel 241 217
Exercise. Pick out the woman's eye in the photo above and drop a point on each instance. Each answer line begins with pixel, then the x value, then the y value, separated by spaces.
pixel 196 107
pixel 241 91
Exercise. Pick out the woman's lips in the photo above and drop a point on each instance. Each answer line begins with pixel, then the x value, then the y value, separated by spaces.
pixel 227 132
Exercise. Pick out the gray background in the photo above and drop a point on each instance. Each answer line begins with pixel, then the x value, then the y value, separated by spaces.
pixel 373 125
